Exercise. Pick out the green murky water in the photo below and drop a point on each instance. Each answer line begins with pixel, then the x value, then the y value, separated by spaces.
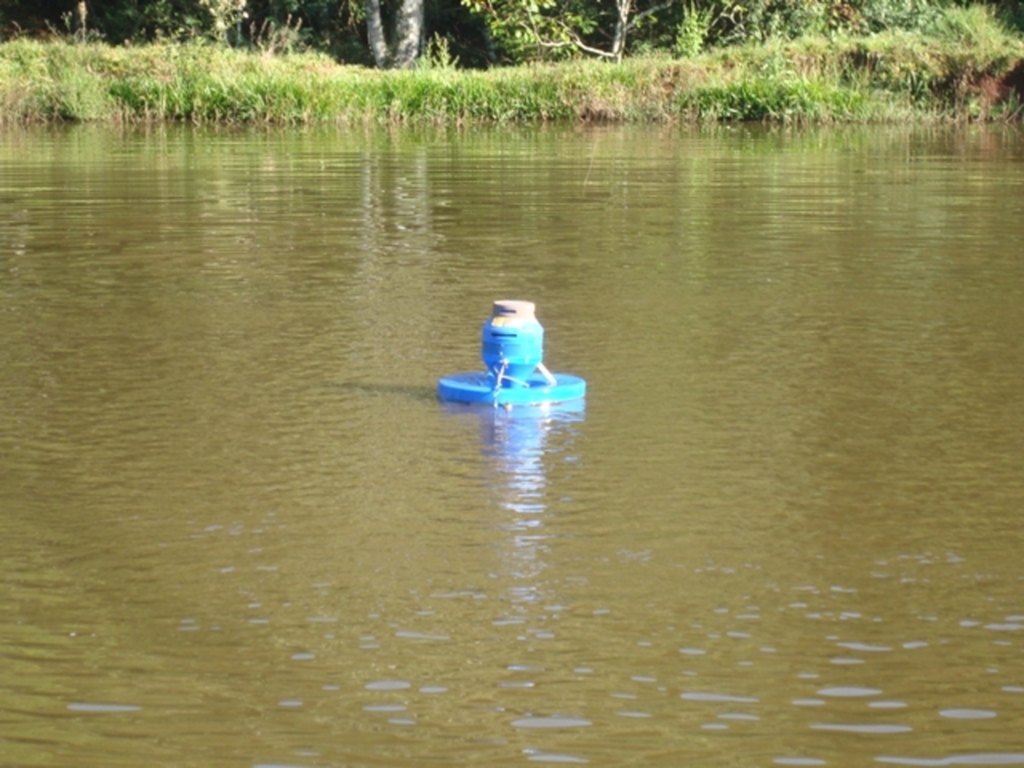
pixel 238 529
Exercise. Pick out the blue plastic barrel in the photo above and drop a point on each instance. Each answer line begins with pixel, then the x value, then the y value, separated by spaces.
pixel 512 343
pixel 513 351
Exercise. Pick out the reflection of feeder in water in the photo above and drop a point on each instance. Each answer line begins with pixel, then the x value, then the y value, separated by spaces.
pixel 512 344
pixel 519 441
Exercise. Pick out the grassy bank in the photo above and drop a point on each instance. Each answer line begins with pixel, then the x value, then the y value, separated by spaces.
pixel 972 69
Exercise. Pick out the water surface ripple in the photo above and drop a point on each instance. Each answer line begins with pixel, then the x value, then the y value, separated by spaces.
pixel 239 529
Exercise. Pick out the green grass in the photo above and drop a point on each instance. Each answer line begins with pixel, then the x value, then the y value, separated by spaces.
pixel 933 74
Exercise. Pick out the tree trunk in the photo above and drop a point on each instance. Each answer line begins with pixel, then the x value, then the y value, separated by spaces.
pixel 624 8
pixel 375 34
pixel 408 34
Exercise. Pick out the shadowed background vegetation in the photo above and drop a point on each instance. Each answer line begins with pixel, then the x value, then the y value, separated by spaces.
pixel 478 33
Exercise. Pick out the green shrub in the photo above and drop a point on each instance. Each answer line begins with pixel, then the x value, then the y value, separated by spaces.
pixel 693 31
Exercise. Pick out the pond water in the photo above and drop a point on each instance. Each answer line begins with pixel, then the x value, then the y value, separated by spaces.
pixel 238 528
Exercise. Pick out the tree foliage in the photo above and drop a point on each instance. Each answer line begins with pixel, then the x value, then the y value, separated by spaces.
pixel 474 32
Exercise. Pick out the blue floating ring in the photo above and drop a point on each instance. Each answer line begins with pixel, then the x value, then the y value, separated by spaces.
pixel 478 387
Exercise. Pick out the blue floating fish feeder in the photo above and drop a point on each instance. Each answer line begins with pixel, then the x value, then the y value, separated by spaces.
pixel 513 351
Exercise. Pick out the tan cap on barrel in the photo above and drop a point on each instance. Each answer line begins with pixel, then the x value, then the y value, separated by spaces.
pixel 522 310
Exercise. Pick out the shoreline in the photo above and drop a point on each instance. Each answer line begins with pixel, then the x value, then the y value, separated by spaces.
pixel 882 79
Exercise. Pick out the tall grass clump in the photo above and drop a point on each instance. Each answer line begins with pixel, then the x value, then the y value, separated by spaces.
pixel 940 67
pixel 938 70
pixel 692 33
pixel 776 101
pixel 51 82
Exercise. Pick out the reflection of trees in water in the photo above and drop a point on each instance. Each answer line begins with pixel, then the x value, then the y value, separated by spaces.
pixel 395 250
pixel 395 198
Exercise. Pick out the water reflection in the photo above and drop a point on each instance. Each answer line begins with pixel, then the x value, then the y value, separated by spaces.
pixel 517 446
pixel 515 443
